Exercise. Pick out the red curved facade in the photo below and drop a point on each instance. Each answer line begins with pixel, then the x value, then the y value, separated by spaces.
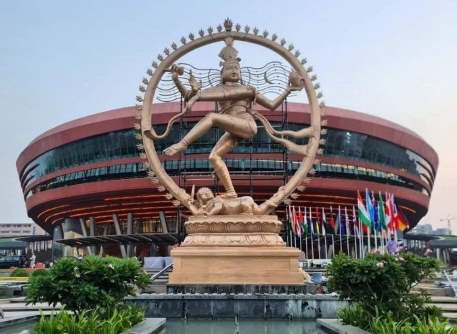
pixel 102 198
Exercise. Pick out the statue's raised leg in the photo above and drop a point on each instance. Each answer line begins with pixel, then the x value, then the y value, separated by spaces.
pixel 237 126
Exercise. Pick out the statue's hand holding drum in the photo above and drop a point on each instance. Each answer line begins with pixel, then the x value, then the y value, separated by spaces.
pixel 176 71
pixel 296 82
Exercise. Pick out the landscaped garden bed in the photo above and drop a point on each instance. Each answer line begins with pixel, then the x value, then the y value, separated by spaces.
pixel 92 291
pixel 379 288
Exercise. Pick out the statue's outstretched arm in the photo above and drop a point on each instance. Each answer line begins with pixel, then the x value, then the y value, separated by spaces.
pixel 176 71
pixel 272 104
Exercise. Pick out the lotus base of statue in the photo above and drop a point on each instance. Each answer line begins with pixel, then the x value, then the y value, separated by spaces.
pixel 235 249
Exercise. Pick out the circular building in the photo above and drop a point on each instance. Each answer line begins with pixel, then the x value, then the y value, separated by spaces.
pixel 87 176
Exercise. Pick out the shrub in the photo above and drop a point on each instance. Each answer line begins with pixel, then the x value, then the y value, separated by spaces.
pixel 381 283
pixel 354 315
pixel 19 272
pixel 88 322
pixel 87 283
pixel 388 325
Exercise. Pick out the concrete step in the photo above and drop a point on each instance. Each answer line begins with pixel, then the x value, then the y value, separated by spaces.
pixel 446 307
pixel 156 289
pixel 452 317
pixel 443 299
pixel 22 307
pixel 434 291
pixel 12 300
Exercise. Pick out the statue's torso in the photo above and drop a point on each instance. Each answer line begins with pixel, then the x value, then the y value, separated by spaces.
pixel 237 100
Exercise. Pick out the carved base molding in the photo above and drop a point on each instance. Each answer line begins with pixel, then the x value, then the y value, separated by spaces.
pixel 235 249
pixel 236 265
pixel 233 239
pixel 233 224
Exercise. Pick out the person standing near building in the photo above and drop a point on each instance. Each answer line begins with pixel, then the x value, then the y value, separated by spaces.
pixel 392 246
pixel 32 261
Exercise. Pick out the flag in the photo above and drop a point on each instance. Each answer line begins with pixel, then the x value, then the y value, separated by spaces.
pixel 339 223
pixel 363 215
pixel 298 222
pixel 354 222
pixel 305 222
pixel 400 220
pixel 324 223
pixel 389 218
pixel 332 222
pixel 381 213
pixel 318 222
pixel 370 208
pixel 290 217
pixel 346 218
pixel 311 224
pixel 375 219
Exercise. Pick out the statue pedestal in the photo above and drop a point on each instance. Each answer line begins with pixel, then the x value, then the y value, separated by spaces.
pixel 235 249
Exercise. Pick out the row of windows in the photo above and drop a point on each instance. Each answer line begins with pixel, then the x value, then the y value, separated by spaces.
pixel 264 167
pixel 122 144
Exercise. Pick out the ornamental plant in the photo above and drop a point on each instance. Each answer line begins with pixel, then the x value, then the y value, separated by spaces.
pixel 382 283
pixel 88 283
pixel 88 322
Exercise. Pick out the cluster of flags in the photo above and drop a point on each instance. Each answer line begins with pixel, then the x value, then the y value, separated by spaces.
pixel 378 215
pixel 373 215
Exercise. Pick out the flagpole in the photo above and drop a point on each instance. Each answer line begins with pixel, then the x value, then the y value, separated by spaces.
pixel 356 231
pixel 324 232
pixel 333 232
pixel 306 245
pixel 312 233
pixel 361 240
pixel 369 240
pixel 305 228
pixel 339 225
pixel 346 220
pixel 375 238
pixel 290 227
pixel 300 229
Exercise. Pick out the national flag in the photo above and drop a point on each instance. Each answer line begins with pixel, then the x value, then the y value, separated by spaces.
pixel 324 223
pixel 305 222
pixel 375 213
pixel 381 213
pixel 332 222
pixel 354 222
pixel 370 208
pixel 363 215
pixel 389 217
pixel 318 222
pixel 347 221
pixel 298 222
pixel 339 223
pixel 311 224
pixel 400 220
pixel 290 217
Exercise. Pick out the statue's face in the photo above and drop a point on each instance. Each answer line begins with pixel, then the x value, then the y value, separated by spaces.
pixel 231 72
pixel 205 195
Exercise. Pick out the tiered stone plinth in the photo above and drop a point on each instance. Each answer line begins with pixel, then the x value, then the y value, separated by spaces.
pixel 235 249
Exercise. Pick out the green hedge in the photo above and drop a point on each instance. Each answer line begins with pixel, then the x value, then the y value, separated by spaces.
pixel 379 289
pixel 88 283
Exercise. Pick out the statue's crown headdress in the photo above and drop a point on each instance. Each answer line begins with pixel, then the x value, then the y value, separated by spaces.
pixel 228 53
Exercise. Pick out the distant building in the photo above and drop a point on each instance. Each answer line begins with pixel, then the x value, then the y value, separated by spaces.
pixel 428 229
pixel 442 231
pixel 423 228
pixel 19 229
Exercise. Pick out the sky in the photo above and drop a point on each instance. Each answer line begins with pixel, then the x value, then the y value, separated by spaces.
pixel 61 60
